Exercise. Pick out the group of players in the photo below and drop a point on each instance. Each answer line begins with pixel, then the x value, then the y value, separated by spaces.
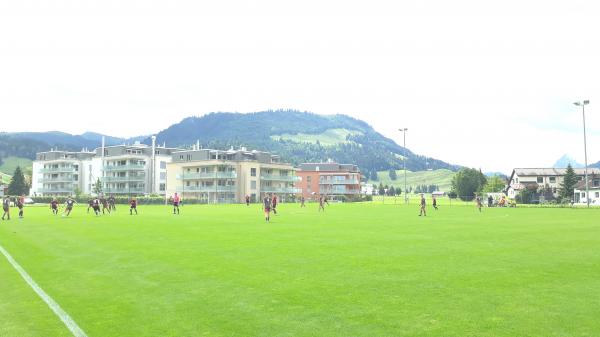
pixel 19 202
pixel 423 204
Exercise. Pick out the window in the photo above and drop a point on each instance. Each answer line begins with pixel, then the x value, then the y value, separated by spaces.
pixel 540 180
pixel 181 157
pixel 597 194
pixel 253 172
pixel 596 182
pixel 552 179
pixel 163 165
pixel 253 184
pixel 308 179
pixel 163 175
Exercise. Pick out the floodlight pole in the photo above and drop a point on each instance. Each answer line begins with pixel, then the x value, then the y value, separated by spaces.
pixel 587 187
pixel 403 130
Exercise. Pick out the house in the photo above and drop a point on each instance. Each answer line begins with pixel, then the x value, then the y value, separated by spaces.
pixel 545 181
pixel 217 176
pixel 332 179
pixel 579 195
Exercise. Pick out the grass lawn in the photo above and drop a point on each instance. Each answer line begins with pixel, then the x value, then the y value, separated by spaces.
pixel 442 178
pixel 355 270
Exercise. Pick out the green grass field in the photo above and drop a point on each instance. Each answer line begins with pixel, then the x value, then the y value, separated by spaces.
pixel 327 138
pixel 356 270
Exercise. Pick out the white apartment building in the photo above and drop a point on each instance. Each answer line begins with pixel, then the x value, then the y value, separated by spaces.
pixel 542 178
pixel 62 173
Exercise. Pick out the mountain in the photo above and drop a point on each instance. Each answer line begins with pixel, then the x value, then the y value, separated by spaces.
pixel 565 160
pixel 298 137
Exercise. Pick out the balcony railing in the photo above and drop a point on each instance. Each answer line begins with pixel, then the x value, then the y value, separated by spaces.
pixel 283 190
pixel 216 188
pixel 339 191
pixel 280 178
pixel 339 182
pixel 57 169
pixel 56 190
pixel 124 190
pixel 125 179
pixel 128 167
pixel 208 175
pixel 57 180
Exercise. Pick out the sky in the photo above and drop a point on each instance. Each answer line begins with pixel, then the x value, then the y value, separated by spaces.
pixel 486 84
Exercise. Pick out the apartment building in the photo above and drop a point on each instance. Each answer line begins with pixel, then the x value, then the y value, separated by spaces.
pixel 332 179
pixel 62 173
pixel 216 176
pixel 136 169
pixel 546 179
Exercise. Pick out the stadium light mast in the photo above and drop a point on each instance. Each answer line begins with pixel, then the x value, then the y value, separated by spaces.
pixel 582 104
pixel 403 130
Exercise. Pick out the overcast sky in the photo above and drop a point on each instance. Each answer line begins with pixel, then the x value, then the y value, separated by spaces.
pixel 478 83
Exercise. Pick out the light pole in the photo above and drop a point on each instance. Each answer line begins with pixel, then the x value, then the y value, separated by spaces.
pixel 403 130
pixel 587 187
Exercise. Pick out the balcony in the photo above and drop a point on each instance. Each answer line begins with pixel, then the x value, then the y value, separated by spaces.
pixel 207 176
pixel 128 167
pixel 123 179
pixel 135 190
pixel 282 190
pixel 207 189
pixel 56 190
pixel 339 191
pixel 339 182
pixel 58 169
pixel 290 179
pixel 57 180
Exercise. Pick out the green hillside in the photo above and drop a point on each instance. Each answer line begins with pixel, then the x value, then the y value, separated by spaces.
pixel 329 137
pixel 441 177
pixel 9 164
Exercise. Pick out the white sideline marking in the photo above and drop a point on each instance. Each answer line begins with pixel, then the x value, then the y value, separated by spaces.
pixel 69 322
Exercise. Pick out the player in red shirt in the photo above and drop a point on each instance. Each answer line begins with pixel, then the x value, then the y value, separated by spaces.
pixel 133 206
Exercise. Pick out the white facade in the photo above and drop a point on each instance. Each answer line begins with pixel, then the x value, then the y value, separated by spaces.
pixel 60 173
pixel 580 196
pixel 542 178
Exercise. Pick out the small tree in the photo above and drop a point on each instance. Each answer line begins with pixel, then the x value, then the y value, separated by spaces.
pixel 392 191
pixel 494 184
pixel 392 174
pixel 374 176
pixel 567 187
pixel 17 185
pixel 97 188
pixel 381 189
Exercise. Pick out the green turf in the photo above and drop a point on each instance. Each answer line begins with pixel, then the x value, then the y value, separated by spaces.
pixel 355 270
pixel 441 177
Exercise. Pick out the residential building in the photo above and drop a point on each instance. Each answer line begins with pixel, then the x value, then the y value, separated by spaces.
pixel 579 195
pixel 62 173
pixel 216 176
pixel 546 181
pixel 137 169
pixel 332 179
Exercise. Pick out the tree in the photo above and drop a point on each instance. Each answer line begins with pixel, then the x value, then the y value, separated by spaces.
pixel 392 174
pixel 392 191
pixel 17 185
pixel 381 189
pixel 567 187
pixel 494 184
pixel 467 182
pixel 374 175
pixel 97 188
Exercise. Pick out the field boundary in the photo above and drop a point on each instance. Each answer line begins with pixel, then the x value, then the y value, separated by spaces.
pixel 64 317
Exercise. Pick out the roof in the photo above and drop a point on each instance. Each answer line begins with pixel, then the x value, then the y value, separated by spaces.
pixel 551 171
pixel 329 167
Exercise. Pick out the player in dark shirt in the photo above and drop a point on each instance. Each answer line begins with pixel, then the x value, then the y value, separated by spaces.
pixel 111 203
pixel 434 202
pixel 105 207
pixel 54 206
pixel 423 205
pixel 6 207
pixel 247 200
pixel 302 200
pixel 267 208
pixel 90 205
pixel 321 204
pixel 68 206
pixel 96 206
pixel 133 206
pixel 274 204
pixel 478 200
pixel 20 205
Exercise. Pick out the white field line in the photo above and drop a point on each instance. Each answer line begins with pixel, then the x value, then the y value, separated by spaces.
pixel 69 322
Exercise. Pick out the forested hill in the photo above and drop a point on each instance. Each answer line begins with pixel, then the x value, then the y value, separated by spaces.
pixel 298 137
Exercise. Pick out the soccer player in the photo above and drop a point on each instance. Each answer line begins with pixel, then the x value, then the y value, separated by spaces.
pixel 478 200
pixel 68 206
pixel 302 202
pixel 423 212
pixel 111 203
pixel 104 205
pixel 54 206
pixel 90 204
pixel 247 200
pixel 20 205
pixel 176 201
pixel 326 200
pixel 6 207
pixel 96 206
pixel 434 202
pixel 490 201
pixel 133 206
pixel 274 204
pixel 267 208
pixel 321 203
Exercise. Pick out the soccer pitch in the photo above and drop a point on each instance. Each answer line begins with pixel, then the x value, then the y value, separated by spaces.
pixel 354 270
